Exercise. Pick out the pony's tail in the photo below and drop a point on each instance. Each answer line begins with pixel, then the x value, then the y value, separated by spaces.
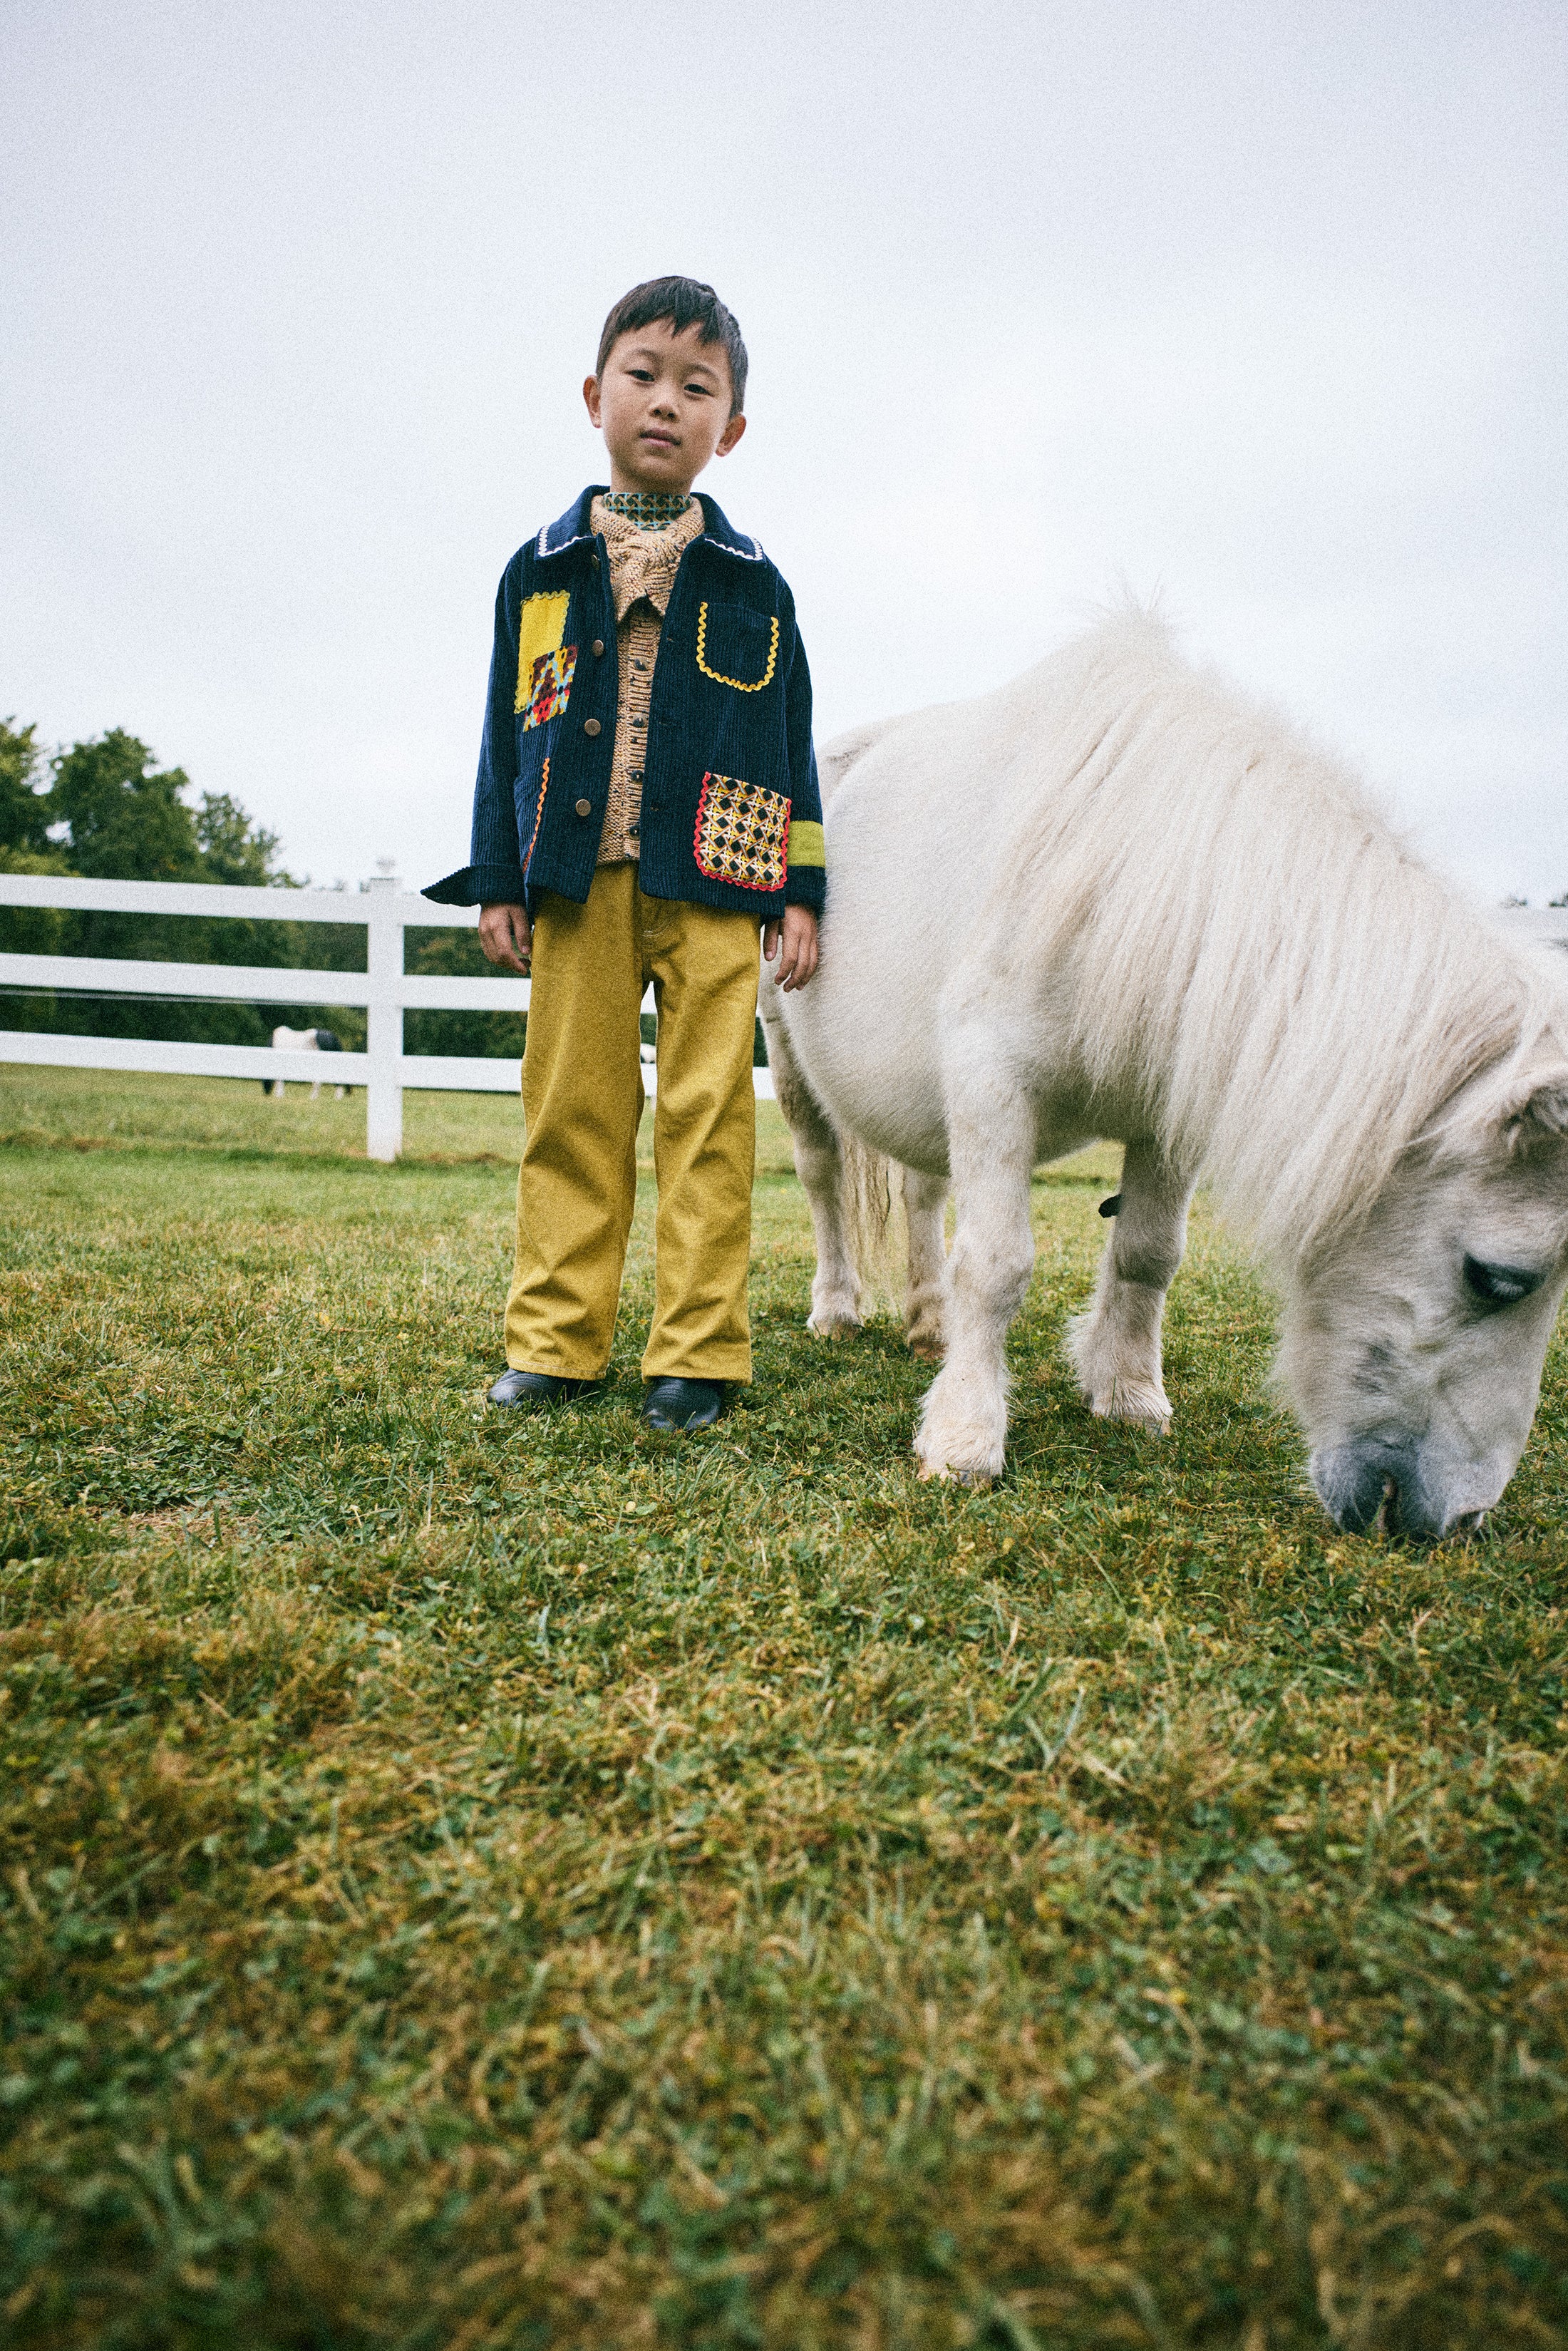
pixel 874 1219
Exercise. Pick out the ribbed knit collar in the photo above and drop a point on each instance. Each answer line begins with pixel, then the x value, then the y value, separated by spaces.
pixel 648 509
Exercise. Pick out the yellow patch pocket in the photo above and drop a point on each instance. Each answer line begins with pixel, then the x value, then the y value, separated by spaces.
pixel 540 629
pixel 549 687
pixel 742 833
pixel 740 642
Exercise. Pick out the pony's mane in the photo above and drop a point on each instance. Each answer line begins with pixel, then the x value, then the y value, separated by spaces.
pixel 1296 994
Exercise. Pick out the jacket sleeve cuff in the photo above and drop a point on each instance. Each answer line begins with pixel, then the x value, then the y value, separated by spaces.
pixel 804 885
pixel 479 885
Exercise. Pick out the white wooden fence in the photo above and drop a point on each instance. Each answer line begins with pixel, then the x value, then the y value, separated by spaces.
pixel 384 987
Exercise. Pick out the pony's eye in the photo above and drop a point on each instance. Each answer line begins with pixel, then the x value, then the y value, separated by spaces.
pixel 1498 1285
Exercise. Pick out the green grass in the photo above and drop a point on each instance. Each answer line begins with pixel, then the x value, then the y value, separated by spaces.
pixel 100 1110
pixel 475 1881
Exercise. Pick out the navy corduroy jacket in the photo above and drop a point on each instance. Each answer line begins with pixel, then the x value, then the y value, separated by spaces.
pixel 731 816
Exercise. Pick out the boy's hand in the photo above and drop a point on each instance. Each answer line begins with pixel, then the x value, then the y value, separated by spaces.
pixel 506 937
pixel 794 941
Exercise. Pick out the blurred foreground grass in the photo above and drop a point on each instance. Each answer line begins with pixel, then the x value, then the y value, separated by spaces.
pixel 478 1881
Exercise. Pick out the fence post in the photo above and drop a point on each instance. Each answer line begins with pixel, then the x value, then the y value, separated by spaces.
pixel 384 1023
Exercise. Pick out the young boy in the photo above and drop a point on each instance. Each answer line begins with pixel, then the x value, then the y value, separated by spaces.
pixel 647 797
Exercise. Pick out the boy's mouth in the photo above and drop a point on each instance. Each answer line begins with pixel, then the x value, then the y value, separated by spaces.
pixel 660 440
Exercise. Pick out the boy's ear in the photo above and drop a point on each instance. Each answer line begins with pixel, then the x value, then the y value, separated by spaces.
pixel 729 436
pixel 591 396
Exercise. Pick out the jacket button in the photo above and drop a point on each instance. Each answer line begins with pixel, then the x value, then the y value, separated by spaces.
pixel 585 808
pixel 594 560
pixel 591 726
pixel 597 645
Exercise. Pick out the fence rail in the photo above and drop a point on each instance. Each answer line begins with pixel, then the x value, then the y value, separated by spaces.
pixel 383 990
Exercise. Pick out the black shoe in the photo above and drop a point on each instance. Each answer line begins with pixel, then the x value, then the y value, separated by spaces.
pixel 683 1404
pixel 539 1388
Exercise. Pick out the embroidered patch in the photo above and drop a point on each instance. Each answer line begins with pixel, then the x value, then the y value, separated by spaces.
pixel 740 683
pixel 541 630
pixel 741 833
pixel 539 819
pixel 550 686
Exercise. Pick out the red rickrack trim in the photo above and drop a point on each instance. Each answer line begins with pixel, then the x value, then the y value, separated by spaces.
pixel 539 818
pixel 733 880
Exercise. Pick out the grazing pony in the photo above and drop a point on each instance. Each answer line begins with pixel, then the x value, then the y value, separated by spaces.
pixel 303 1040
pixel 1115 899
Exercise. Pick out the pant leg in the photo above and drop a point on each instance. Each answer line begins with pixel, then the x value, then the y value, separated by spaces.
pixel 704 968
pixel 582 1097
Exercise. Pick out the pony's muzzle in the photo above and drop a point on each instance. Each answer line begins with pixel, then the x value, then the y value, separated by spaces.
pixel 1369 1480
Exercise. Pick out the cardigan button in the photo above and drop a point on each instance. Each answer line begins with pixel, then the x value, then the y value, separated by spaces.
pixel 598 647
pixel 585 808
pixel 591 726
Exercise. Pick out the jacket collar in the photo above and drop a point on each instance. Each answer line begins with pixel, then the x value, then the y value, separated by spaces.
pixel 577 525
pixel 574 525
pixel 719 533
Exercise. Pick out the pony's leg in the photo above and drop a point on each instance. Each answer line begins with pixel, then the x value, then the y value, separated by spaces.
pixel 1114 1348
pixel 818 1163
pixel 991 1141
pixel 925 1198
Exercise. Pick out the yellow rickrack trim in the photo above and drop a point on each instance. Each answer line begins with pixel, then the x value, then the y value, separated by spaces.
pixel 806 846
pixel 740 683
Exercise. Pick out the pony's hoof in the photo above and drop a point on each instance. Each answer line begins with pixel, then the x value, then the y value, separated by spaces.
pixel 946 1473
pixel 926 1346
pixel 835 1327
pixel 976 1463
pixel 962 1429
pixel 1145 1408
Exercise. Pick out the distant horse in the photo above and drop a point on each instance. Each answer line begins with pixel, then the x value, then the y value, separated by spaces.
pixel 303 1040
pixel 1113 899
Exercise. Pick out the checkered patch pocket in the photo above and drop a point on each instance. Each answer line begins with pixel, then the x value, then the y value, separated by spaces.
pixel 742 833
pixel 550 686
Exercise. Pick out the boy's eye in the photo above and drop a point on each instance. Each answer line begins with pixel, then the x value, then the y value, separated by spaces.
pixel 700 391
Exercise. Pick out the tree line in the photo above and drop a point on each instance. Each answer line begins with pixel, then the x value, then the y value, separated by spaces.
pixel 105 810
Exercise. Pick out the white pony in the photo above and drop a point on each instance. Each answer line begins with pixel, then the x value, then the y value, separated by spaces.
pixel 303 1040
pixel 1115 900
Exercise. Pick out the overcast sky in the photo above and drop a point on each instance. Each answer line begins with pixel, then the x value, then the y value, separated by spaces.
pixel 1257 305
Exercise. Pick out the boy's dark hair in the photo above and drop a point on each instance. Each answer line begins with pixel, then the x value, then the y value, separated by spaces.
pixel 686 302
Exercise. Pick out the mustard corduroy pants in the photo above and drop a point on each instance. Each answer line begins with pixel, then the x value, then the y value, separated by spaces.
pixel 583 1099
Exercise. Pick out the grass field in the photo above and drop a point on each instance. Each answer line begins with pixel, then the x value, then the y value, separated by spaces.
pixel 476 1881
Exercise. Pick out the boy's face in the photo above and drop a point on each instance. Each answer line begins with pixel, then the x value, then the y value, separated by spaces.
pixel 663 405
